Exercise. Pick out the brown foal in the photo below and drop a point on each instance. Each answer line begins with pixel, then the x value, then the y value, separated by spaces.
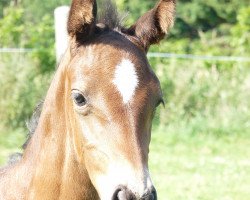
pixel 93 135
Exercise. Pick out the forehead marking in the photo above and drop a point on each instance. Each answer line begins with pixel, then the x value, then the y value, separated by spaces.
pixel 126 79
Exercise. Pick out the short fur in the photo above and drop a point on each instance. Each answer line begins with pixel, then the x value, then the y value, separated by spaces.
pixel 153 26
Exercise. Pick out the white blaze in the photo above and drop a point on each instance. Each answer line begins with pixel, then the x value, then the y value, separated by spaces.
pixel 126 79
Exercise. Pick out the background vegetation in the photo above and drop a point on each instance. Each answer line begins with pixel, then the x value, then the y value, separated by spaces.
pixel 201 139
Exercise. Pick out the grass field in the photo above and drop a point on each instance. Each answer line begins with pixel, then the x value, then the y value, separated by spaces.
pixel 200 167
pixel 183 167
pixel 10 142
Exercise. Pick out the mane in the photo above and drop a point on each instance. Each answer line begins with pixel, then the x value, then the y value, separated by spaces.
pixel 109 15
pixel 31 125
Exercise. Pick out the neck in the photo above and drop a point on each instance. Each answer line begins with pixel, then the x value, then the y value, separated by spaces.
pixel 51 163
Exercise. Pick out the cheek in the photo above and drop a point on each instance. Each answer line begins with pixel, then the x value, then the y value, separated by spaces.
pixel 91 130
pixel 96 162
pixel 96 151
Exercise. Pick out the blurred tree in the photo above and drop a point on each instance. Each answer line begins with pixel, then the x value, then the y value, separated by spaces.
pixel 134 8
pixel 196 15
pixel 192 15
pixel 3 4
pixel 193 18
pixel 12 27
pixel 36 9
pixel 41 37
pixel 241 32
pixel 18 32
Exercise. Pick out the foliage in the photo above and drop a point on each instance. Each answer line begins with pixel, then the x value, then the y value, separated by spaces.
pixel 12 27
pixel 192 16
pixel 41 38
pixel 22 87
pixel 203 98
pixel 16 32
pixel 36 9
pixel 241 32
pixel 10 143
pixel 134 8
pixel 3 4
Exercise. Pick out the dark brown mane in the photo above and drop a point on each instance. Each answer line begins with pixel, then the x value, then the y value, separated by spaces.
pixel 33 122
pixel 109 15
pixel 31 125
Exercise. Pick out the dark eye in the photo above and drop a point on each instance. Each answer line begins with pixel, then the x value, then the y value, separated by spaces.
pixel 79 99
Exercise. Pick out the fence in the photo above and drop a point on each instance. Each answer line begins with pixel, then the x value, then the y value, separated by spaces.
pixel 61 41
pixel 155 55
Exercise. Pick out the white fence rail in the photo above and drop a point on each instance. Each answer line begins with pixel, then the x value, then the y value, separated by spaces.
pixel 199 57
pixel 157 55
pixel 15 50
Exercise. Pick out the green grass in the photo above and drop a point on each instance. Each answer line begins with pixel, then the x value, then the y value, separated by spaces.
pixel 10 142
pixel 200 167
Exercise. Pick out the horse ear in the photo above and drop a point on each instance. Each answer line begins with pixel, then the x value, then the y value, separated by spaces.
pixel 153 25
pixel 82 17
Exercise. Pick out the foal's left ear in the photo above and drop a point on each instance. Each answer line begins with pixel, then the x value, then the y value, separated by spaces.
pixel 82 17
pixel 153 25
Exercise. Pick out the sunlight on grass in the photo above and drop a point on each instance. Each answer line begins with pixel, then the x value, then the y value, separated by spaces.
pixel 10 142
pixel 200 167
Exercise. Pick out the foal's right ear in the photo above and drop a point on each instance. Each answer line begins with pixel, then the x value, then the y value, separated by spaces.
pixel 82 17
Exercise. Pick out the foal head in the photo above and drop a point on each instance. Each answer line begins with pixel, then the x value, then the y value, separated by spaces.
pixel 114 95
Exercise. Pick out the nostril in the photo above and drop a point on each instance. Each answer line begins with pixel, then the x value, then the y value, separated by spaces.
pixel 151 195
pixel 115 195
pixel 154 193
pixel 122 193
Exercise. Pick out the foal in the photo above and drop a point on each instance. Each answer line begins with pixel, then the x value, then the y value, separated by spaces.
pixel 93 135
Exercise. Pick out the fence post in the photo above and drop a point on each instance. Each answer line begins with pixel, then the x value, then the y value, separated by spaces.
pixel 61 36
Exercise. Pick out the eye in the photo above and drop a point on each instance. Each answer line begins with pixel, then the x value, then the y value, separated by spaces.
pixel 79 99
